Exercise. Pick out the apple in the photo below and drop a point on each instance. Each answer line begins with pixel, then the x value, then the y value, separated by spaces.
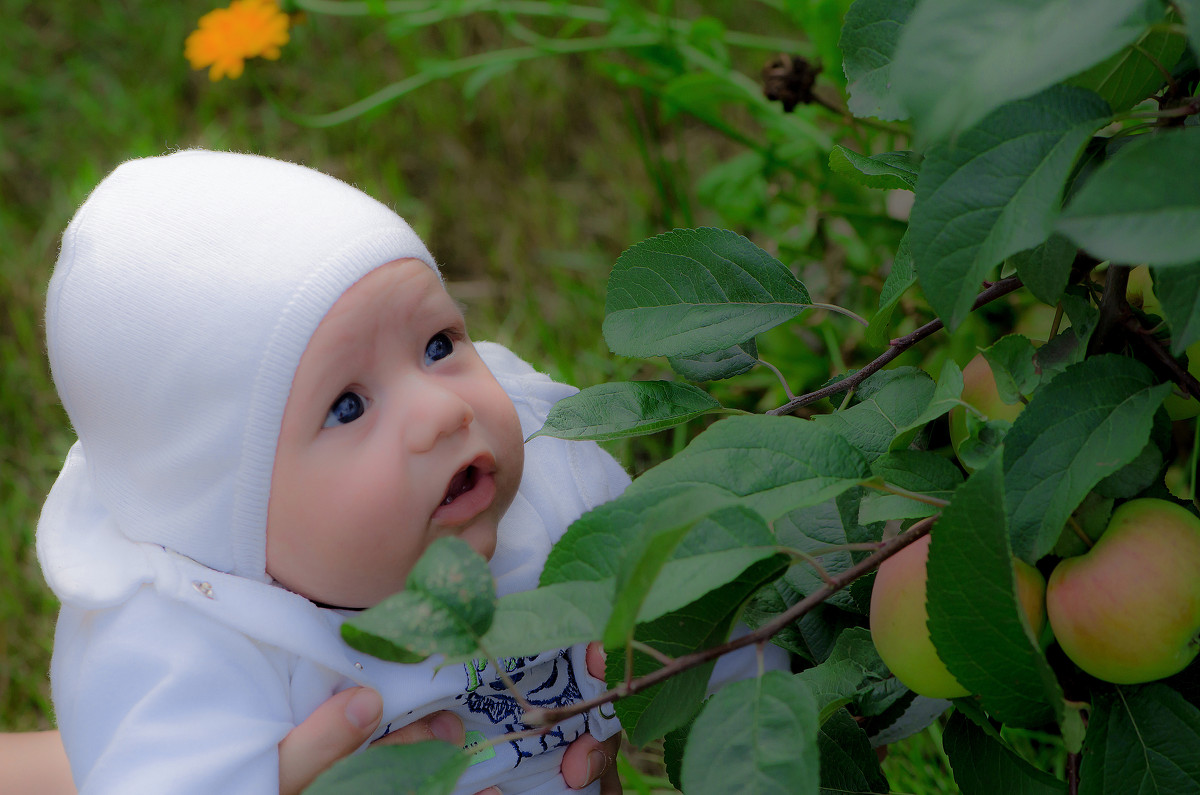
pixel 899 620
pixel 979 391
pixel 1128 610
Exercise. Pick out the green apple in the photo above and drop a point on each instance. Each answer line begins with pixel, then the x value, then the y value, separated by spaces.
pixel 979 391
pixel 899 620
pixel 1140 291
pixel 1128 609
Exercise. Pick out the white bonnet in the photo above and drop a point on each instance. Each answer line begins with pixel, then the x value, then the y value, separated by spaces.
pixel 186 290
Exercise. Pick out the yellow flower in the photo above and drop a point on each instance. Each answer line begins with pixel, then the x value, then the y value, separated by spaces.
pixel 226 37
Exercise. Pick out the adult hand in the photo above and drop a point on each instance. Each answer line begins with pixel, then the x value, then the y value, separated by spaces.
pixel 339 726
pixel 588 759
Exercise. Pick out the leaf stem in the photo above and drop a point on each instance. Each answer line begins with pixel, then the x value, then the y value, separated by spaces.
pixel 1073 773
pixel 646 648
pixel 1079 531
pixel 787 390
pixel 896 347
pixel 1058 316
pixel 841 310
pixel 763 633
pixel 892 488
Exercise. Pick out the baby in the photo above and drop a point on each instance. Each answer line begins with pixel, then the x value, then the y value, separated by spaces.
pixel 278 410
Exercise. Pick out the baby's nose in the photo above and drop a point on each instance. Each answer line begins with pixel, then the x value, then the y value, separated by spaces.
pixel 440 414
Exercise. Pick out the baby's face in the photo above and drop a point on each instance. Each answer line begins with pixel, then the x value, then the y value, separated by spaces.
pixel 395 434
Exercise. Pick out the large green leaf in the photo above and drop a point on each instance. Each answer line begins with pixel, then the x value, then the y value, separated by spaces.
pixel 848 762
pixel 869 36
pixel 1179 295
pixel 919 471
pixel 1136 208
pixel 984 764
pixel 853 667
pixel 424 768
pixel 888 403
pixel 957 60
pixel 755 737
pixel 637 582
pixel 626 408
pixel 727 363
pixel 897 170
pixel 1023 153
pixel 447 604
pixel 1087 423
pixel 975 620
pixel 772 464
pixel 694 291
pixel 550 617
pixel 1045 269
pixel 1129 76
pixel 1191 20
pixel 1141 740
pixel 820 530
pixel 707 622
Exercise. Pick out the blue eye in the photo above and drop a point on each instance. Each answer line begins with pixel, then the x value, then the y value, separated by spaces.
pixel 345 409
pixel 438 348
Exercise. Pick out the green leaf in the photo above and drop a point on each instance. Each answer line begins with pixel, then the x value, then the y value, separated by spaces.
pixel 550 617
pixel 694 291
pixel 1084 425
pixel 1135 209
pixel 644 560
pixel 848 762
pixel 755 736
pixel 899 279
pixel 984 764
pixel 626 408
pixel 853 666
pixel 817 529
pixel 1141 740
pixel 1023 152
pixel 1179 296
pixel 890 404
pixel 975 620
pixel 1191 20
pixel 889 170
pixel 957 60
pixel 1045 269
pixel 707 622
pixel 1011 361
pixel 447 604
pixel 944 398
pixel 869 36
pixel 424 768
pixel 1147 466
pixel 1131 75
pixel 915 470
pixel 772 464
pixel 734 360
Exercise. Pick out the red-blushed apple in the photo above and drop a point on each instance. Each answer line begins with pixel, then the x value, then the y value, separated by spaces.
pixel 899 620
pixel 1128 610
pixel 979 391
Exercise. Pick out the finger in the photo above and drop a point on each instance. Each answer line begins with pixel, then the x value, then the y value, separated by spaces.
pixel 333 731
pixel 444 726
pixel 587 759
pixel 595 659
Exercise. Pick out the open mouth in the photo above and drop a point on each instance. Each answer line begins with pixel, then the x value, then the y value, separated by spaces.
pixel 470 492
pixel 463 481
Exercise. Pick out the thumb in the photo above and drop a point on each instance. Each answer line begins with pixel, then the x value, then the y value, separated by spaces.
pixel 333 731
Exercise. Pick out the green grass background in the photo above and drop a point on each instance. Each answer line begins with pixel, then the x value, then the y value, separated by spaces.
pixel 526 193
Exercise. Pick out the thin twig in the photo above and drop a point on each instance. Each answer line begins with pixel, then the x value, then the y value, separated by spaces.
pixel 1072 774
pixel 763 633
pixel 1143 339
pixel 896 347
pixel 1114 308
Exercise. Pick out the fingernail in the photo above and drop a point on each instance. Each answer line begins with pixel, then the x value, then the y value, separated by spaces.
pixel 365 708
pixel 597 761
pixel 447 728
